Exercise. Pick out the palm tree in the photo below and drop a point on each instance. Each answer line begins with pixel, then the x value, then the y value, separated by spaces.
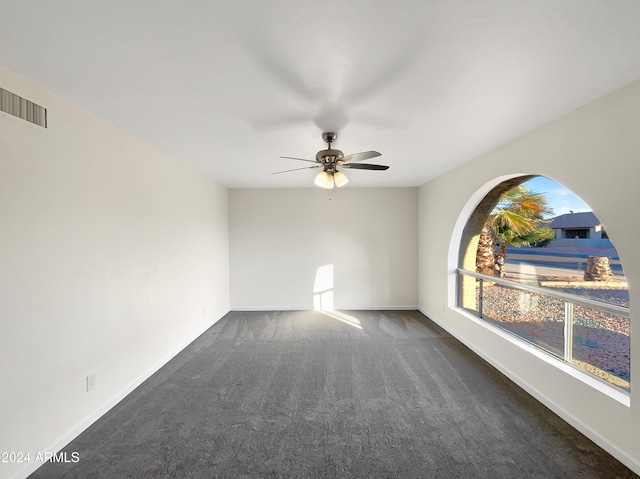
pixel 517 220
pixel 485 256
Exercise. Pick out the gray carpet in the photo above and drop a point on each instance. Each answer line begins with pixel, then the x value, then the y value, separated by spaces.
pixel 307 394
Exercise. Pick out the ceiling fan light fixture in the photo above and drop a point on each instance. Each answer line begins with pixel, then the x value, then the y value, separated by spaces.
pixel 330 160
pixel 340 178
pixel 324 180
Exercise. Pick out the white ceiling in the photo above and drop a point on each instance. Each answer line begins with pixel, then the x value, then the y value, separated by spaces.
pixel 229 86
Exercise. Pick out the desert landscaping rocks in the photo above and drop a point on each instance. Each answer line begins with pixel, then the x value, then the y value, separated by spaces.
pixel 601 340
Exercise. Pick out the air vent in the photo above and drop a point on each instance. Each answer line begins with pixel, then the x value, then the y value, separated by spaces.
pixel 22 108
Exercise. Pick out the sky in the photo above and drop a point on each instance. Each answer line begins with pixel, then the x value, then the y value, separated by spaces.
pixel 561 200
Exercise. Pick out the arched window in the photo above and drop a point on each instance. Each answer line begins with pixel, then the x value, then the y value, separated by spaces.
pixel 536 262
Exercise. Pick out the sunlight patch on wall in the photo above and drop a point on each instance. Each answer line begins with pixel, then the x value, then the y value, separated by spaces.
pixel 323 297
pixel 323 289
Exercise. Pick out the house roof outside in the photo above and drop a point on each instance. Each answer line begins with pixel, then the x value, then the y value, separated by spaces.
pixel 575 220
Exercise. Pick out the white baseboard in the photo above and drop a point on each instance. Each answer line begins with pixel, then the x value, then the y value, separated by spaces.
pixel 102 410
pixel 595 436
pixel 393 307
pixel 264 308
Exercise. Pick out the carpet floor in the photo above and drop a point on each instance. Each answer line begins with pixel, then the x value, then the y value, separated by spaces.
pixel 307 394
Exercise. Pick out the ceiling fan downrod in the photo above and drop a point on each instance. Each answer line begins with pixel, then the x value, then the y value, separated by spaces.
pixel 329 137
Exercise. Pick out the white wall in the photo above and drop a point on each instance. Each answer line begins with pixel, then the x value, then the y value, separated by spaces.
pixel 595 153
pixel 365 238
pixel 109 251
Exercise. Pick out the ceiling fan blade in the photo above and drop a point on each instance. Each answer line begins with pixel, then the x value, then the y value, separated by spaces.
pixel 365 155
pixel 364 166
pixel 296 169
pixel 299 159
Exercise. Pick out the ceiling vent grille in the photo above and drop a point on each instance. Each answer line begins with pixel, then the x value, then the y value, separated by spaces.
pixel 22 108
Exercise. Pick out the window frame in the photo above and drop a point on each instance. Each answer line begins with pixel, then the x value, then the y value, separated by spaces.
pixel 462 254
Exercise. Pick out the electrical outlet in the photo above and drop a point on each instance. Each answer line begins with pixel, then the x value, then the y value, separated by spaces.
pixel 91 381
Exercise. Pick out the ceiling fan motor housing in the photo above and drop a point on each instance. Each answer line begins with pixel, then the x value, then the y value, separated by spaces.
pixel 329 155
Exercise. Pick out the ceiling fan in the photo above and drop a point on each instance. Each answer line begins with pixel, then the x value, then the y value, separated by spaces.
pixel 330 160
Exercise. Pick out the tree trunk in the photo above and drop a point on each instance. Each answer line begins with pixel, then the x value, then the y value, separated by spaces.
pixel 598 269
pixel 485 257
pixel 499 260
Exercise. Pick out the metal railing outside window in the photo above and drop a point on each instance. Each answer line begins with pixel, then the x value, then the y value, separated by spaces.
pixel 591 335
